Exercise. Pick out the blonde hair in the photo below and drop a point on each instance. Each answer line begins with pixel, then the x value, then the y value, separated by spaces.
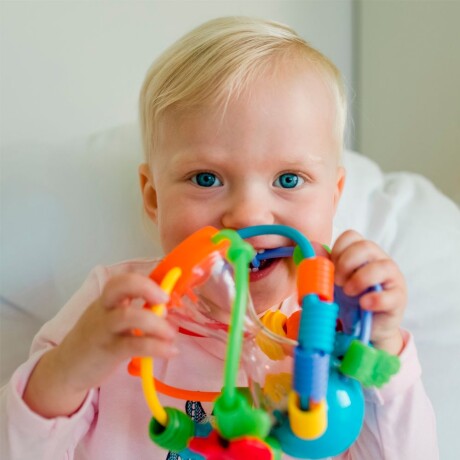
pixel 218 60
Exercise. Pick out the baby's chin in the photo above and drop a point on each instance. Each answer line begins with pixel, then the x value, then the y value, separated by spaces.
pixel 272 290
pixel 265 300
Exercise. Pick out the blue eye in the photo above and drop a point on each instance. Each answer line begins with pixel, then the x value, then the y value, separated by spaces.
pixel 206 179
pixel 288 180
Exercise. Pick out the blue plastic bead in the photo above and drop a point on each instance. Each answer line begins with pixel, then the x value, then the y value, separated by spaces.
pixel 311 373
pixel 317 324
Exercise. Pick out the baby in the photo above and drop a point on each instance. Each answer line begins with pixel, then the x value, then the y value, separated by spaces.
pixel 242 124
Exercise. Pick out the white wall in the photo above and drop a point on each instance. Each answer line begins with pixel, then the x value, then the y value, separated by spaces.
pixel 408 96
pixel 70 68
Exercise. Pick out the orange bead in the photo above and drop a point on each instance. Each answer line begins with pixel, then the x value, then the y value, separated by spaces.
pixel 316 276
pixel 134 367
pixel 292 325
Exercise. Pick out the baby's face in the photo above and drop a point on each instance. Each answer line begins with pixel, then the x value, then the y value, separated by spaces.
pixel 272 158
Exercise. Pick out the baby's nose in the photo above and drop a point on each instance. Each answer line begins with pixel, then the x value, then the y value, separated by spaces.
pixel 247 210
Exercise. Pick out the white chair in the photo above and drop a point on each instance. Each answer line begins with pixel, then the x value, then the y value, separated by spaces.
pixel 68 207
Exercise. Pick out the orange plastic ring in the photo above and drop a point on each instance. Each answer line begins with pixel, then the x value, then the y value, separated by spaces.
pixel 316 276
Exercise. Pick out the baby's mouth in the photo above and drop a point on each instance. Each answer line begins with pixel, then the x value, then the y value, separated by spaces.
pixel 266 257
pixel 261 265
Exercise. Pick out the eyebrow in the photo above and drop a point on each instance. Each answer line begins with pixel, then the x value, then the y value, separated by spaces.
pixel 191 157
pixel 309 158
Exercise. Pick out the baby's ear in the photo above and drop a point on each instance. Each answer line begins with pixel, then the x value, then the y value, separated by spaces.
pixel 339 186
pixel 148 190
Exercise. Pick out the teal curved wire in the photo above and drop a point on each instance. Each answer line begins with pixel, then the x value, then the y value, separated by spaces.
pixel 305 246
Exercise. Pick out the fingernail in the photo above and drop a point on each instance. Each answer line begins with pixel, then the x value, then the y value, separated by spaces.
pixel 163 296
pixel 366 303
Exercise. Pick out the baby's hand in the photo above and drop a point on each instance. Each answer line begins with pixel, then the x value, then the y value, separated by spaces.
pixel 104 336
pixel 101 339
pixel 360 264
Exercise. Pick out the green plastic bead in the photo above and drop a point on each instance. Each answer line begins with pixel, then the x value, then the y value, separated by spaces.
pixel 297 256
pixel 176 435
pixel 238 247
pixel 241 249
pixel 275 447
pixel 368 365
pixel 238 418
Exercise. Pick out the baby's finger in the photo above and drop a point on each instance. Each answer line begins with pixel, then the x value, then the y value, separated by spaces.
pixel 354 257
pixel 387 301
pixel 382 272
pixel 125 320
pixel 343 241
pixel 132 285
pixel 128 346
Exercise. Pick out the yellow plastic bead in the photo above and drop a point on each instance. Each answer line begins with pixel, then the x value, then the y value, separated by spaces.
pixel 274 321
pixel 277 386
pixel 309 424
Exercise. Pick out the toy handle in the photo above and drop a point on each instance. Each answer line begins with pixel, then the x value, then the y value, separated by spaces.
pixel 351 313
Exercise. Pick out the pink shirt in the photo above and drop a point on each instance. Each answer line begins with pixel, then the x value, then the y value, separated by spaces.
pixel 113 421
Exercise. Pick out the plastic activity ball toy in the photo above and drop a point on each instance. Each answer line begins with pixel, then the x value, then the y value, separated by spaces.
pixel 304 377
